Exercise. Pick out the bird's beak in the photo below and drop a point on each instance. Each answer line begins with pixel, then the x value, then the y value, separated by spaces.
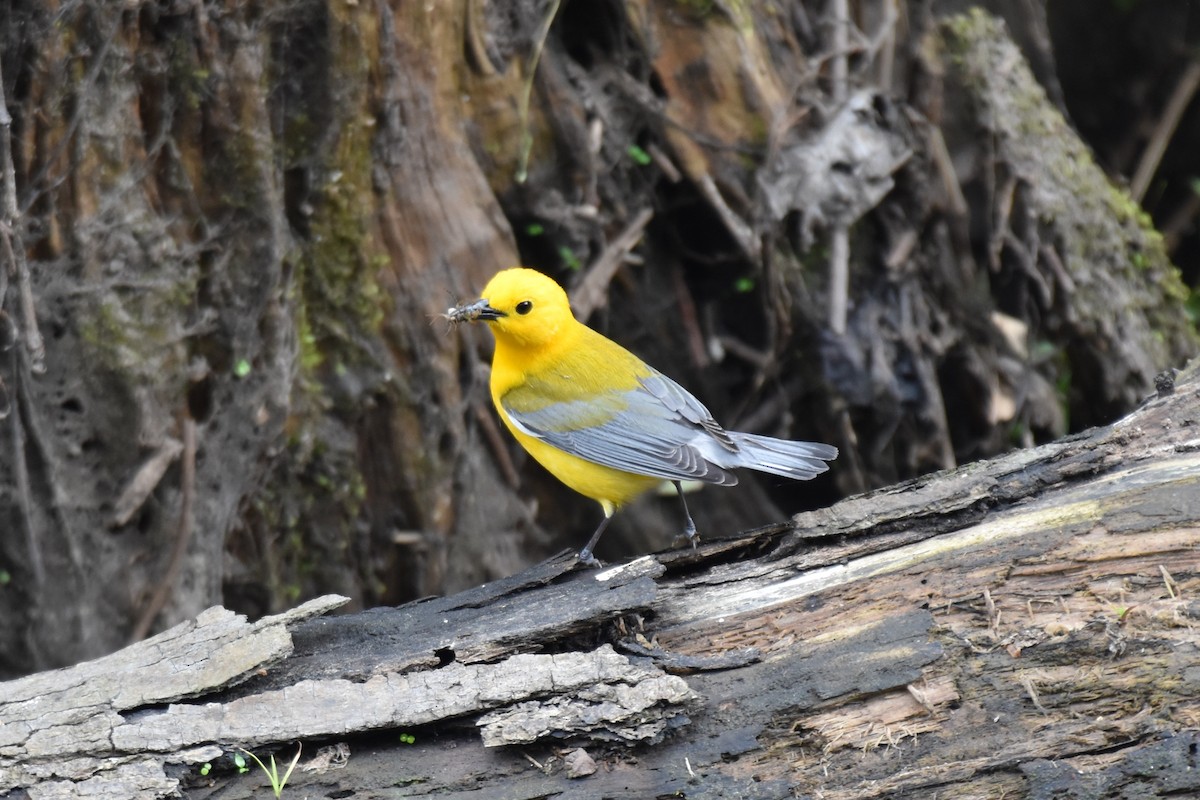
pixel 472 312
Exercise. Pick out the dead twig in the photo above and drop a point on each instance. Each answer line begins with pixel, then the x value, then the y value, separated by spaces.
pixel 1181 97
pixel 689 319
pixel 187 487
pixel 29 345
pixel 882 47
pixel 1003 207
pixel 591 292
pixel 1180 222
pixel 527 90
pixel 737 227
pixel 993 615
pixel 839 245
pixel 475 39
pixel 956 201
pixel 24 492
pixel 487 424
pixel 664 163
pixel 14 248
pixel 1031 690
pixel 1169 582
pixel 144 481
pixel 760 359
pixel 839 277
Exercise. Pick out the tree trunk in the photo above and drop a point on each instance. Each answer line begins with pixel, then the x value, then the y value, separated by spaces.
pixel 1019 628
pixel 239 235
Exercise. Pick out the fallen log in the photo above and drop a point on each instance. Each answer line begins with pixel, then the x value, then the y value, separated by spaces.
pixel 1021 627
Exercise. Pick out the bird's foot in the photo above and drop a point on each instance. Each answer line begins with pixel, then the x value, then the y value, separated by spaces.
pixel 690 534
pixel 587 559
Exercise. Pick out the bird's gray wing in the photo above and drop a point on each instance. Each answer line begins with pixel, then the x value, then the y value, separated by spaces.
pixel 647 430
pixel 683 403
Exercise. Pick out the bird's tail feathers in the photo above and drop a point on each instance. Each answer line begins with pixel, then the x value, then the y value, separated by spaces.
pixel 796 460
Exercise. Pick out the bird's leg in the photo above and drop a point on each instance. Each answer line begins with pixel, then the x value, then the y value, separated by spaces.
pixel 585 555
pixel 690 528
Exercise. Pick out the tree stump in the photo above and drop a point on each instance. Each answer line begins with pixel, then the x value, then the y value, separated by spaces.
pixel 1020 627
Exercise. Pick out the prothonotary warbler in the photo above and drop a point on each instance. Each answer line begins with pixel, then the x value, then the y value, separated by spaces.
pixel 600 419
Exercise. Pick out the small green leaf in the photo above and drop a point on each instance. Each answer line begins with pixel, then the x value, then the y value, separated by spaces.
pixel 1192 307
pixel 207 768
pixel 534 229
pixel 240 762
pixel 241 369
pixel 744 284
pixel 5 577
pixel 569 259
pixel 638 154
pixel 407 738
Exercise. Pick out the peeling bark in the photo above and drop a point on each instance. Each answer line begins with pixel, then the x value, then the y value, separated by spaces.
pixel 241 220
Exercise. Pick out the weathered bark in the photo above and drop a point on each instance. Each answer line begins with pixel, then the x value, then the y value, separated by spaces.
pixel 1018 628
pixel 239 220
pixel 162 293
pixel 239 231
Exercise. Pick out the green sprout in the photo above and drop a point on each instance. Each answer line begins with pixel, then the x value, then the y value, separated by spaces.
pixel 569 259
pixel 640 156
pixel 241 369
pixel 277 783
pixel 407 738
pixel 535 229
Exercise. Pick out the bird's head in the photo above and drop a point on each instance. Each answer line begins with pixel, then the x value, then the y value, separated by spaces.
pixel 524 308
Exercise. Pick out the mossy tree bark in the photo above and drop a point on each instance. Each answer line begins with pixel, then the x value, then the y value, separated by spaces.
pixel 240 221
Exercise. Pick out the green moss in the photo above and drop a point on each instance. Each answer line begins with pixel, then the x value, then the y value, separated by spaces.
pixel 1105 240
pixel 307 514
pixel 1193 306
pixel 136 333
pixel 697 9
pixel 959 31
pixel 312 507
pixel 189 78
pixel 736 11
pixel 297 140
pixel 339 265
pixel 104 334
pixel 339 288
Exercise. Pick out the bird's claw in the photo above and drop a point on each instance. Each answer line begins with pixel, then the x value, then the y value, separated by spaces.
pixel 587 559
pixel 690 534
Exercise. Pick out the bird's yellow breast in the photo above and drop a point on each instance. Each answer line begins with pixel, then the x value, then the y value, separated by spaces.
pixel 586 369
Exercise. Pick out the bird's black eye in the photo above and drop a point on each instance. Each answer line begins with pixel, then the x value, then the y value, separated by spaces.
pixel 524 307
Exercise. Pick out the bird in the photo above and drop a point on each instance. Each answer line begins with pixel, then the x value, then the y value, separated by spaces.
pixel 600 419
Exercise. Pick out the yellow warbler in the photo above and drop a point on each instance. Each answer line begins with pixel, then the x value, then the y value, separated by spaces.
pixel 600 419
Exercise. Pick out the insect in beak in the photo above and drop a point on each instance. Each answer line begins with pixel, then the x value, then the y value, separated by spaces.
pixel 472 312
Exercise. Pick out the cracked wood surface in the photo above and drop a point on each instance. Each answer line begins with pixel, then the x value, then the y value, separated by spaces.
pixel 1015 626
